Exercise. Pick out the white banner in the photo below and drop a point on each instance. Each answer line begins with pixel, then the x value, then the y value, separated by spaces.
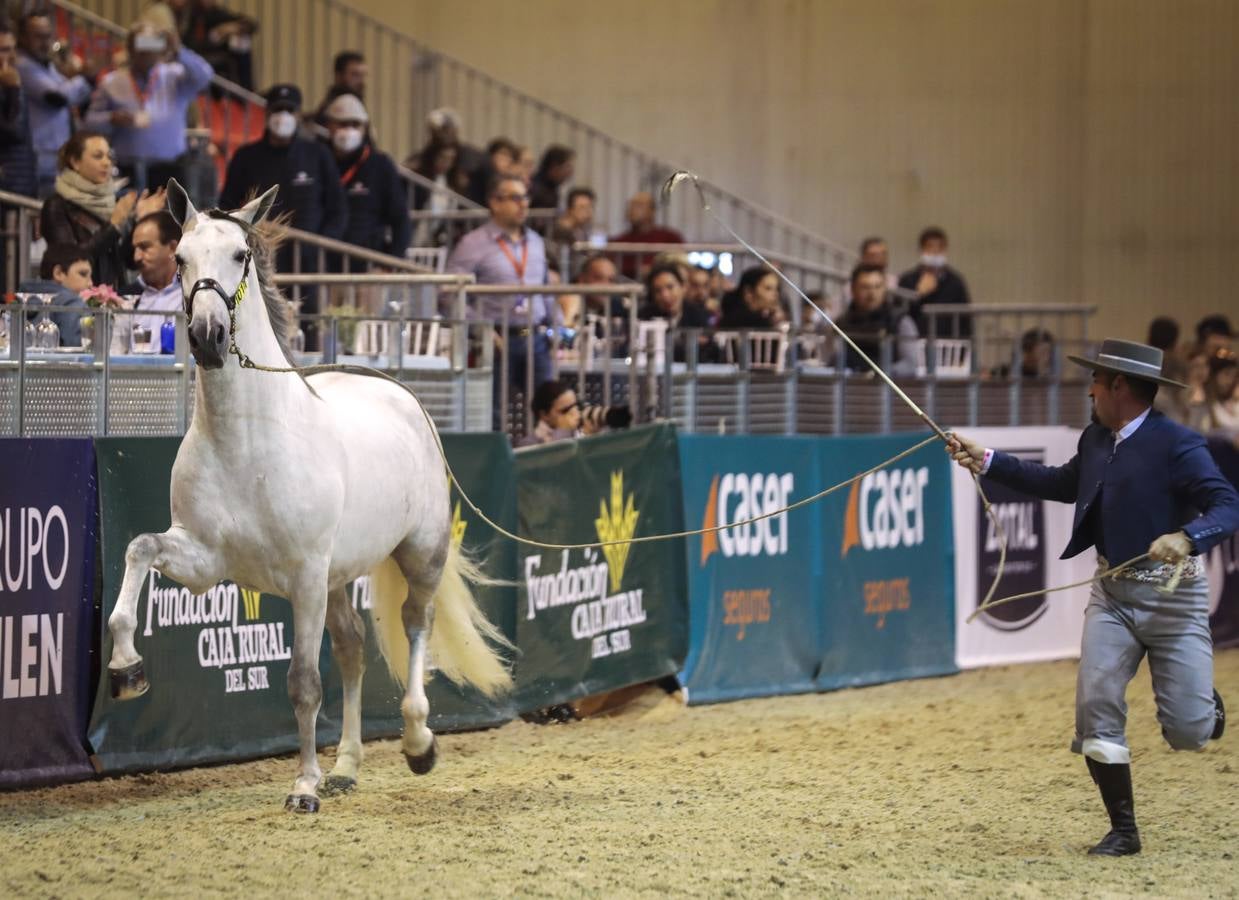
pixel 1040 628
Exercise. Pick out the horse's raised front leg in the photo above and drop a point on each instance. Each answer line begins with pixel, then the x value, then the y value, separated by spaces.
pixel 417 615
pixel 348 636
pixel 179 556
pixel 305 686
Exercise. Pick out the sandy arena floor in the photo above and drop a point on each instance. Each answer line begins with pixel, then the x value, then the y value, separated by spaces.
pixel 953 786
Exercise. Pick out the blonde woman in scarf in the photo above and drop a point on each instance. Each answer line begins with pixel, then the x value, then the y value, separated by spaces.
pixel 85 209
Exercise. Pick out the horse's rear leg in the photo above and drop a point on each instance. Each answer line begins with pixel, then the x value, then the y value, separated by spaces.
pixel 305 686
pixel 348 636
pixel 176 554
pixel 423 573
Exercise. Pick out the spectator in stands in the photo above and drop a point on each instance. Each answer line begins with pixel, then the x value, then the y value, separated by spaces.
pixel 874 251
pixel 664 288
pixel 159 285
pixel 437 163
pixel 555 170
pixel 556 412
pixel 1036 353
pixel 1213 333
pixel 351 74
pixel 52 89
pixel 501 157
pixel 225 39
pixel 506 251
pixel 643 230
pixel 1219 409
pixel 1164 335
pixel 84 210
pixel 378 213
pixel 305 170
pixel 444 124
pixel 526 164
pixel 937 283
pixel 576 224
pixel 142 106
pixel 755 303
pixel 64 272
pixel 600 269
pixel 697 288
pixel 870 319
pixel 18 167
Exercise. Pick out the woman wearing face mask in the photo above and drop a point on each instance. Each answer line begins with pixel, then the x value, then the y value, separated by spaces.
pixel 378 207
pixel 85 212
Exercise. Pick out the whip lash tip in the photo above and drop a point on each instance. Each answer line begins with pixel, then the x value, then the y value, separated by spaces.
pixel 673 181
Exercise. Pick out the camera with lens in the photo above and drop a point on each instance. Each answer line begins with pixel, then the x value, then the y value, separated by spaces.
pixel 595 418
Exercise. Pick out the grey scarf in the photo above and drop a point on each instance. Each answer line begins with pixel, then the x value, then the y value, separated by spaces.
pixel 99 199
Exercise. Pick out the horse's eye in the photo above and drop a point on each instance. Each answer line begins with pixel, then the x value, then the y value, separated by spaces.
pixel 180 262
pixel 239 256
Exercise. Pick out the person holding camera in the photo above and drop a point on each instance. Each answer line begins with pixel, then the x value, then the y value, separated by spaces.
pixel 142 106
pixel 560 416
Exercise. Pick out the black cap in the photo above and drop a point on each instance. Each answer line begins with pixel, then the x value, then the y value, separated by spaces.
pixel 284 96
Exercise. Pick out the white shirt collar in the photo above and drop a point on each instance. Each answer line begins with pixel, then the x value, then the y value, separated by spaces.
pixel 1130 428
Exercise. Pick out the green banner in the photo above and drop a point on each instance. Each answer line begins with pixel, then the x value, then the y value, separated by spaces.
pixel 218 662
pixel 594 620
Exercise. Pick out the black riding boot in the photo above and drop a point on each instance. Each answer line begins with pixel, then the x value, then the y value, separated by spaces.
pixel 1114 782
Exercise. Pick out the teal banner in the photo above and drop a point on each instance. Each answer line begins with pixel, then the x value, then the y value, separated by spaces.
pixel 755 621
pixel 594 620
pixel 888 563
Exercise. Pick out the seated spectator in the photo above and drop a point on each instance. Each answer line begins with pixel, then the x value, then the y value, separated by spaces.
pixel 643 230
pixel 870 319
pixel 1219 410
pixel 1213 333
pixel 1036 353
pixel 225 39
pixel 600 269
pixel 18 167
pixel 501 158
pixel 64 272
pixel 754 304
pixel 526 164
pixel 577 222
pixel 53 89
pixel 698 290
pixel 142 105
pixel 85 211
pixel 159 284
pixel 1164 335
pixel 437 163
pixel 664 288
pixel 555 170
pixel 444 124
pixel 935 283
pixel 350 74
pixel 378 215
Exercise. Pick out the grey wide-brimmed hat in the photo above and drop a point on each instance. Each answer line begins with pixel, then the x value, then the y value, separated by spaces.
pixel 1130 359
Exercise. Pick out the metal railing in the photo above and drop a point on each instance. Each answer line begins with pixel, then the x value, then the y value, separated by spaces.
pixel 408 80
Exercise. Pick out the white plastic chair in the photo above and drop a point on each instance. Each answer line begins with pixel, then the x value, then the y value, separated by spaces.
pixel 651 335
pixel 952 357
pixel 433 258
pixel 767 349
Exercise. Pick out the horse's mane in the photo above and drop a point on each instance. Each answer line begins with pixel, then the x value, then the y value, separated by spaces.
pixel 263 240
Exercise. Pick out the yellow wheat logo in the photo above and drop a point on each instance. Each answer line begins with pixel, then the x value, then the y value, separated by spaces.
pixel 619 523
pixel 253 603
pixel 458 526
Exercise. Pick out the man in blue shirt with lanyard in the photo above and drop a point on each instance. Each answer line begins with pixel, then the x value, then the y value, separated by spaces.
pixel 1142 484
pixel 506 251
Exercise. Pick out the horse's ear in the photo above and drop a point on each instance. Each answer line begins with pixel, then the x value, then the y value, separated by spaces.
pixel 179 204
pixel 256 210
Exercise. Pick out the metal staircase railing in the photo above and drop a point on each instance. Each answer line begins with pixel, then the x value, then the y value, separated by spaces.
pixel 298 38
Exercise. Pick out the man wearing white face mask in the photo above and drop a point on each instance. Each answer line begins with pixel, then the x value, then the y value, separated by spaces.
pixel 378 209
pixel 935 282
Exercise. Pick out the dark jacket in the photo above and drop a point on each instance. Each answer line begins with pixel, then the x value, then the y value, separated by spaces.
pixel 951 289
pixel 692 315
pixel 378 210
pixel 738 315
pixel 64 222
pixel 1159 480
pixel 17 160
pixel 308 178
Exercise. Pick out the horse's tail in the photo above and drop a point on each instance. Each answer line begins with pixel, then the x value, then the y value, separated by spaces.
pixel 461 638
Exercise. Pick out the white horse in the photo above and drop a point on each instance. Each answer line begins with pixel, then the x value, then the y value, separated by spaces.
pixel 295 486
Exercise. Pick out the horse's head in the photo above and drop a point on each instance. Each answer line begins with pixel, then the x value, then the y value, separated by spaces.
pixel 215 260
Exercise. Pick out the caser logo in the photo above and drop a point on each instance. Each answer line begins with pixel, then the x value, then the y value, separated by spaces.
pixel 737 496
pixel 886 509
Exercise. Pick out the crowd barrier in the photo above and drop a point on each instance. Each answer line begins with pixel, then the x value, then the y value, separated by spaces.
pixel 870 584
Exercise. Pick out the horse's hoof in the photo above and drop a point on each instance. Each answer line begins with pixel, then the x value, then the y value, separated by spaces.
pixel 421 765
pixel 129 682
pixel 334 785
pixel 301 803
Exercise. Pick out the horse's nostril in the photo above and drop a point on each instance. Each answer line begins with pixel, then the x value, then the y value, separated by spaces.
pixel 219 334
pixel 193 338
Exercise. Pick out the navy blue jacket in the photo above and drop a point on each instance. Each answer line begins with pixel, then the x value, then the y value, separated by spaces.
pixel 17 160
pixel 378 203
pixel 1159 480
pixel 308 178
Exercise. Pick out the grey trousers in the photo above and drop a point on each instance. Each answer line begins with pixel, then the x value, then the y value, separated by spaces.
pixel 1124 621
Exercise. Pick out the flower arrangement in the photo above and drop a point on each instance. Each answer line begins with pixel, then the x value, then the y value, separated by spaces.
pixel 102 296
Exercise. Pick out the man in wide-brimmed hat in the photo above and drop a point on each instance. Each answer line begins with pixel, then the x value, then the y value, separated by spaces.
pixel 1145 488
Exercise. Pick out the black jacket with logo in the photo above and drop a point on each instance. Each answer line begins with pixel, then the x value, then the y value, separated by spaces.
pixel 378 205
pixel 308 178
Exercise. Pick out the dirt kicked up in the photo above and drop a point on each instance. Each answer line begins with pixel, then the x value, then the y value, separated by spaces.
pixel 952 786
